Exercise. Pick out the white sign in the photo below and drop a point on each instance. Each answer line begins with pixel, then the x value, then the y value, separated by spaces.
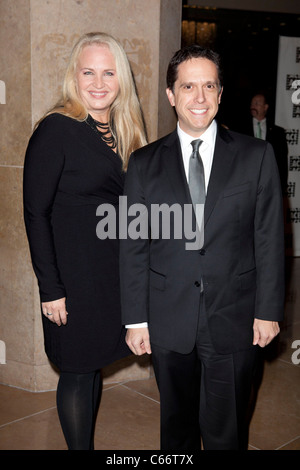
pixel 288 117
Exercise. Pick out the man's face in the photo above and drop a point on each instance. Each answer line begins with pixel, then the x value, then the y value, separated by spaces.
pixel 258 107
pixel 196 95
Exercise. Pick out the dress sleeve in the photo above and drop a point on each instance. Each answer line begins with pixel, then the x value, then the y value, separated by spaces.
pixel 44 162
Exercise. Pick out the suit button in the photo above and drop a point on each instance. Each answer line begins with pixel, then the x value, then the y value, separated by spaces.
pixel 197 284
pixel 202 252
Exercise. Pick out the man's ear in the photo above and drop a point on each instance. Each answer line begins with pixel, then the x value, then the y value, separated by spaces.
pixel 220 94
pixel 170 96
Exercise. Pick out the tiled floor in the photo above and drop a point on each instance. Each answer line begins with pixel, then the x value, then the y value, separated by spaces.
pixel 129 412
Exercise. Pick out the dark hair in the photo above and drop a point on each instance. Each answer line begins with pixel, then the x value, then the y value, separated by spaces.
pixel 193 51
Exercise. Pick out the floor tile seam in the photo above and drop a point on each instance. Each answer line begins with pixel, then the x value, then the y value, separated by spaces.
pixel 112 386
pixel 139 393
pixel 253 447
pixel 288 442
pixel 27 390
pixel 287 362
pixel 26 417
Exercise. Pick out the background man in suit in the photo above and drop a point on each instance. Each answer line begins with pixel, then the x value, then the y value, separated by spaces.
pixel 262 127
pixel 203 312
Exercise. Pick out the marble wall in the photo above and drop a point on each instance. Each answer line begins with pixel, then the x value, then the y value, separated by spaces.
pixel 36 37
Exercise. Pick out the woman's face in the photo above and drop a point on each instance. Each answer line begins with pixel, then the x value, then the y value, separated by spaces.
pixel 97 81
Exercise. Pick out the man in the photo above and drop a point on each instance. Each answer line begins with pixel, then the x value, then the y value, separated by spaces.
pixel 203 310
pixel 262 127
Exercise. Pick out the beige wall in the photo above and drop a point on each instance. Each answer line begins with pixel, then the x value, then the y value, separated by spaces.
pixel 36 37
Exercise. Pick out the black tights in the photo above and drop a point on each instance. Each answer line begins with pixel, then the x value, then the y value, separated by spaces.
pixel 78 398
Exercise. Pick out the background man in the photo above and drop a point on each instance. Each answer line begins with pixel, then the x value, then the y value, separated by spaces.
pixel 262 127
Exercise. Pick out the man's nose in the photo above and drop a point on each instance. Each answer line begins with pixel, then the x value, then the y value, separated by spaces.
pixel 199 94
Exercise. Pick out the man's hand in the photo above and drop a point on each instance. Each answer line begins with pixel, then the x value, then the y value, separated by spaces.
pixel 264 331
pixel 138 340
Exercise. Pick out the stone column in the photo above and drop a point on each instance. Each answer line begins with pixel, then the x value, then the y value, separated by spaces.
pixel 36 37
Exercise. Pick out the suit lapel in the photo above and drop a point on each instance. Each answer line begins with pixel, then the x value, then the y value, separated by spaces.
pixel 220 172
pixel 173 165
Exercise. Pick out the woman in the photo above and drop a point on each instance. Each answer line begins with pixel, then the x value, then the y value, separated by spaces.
pixel 75 161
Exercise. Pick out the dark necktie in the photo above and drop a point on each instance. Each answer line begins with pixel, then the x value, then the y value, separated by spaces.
pixel 196 175
pixel 197 185
pixel 258 133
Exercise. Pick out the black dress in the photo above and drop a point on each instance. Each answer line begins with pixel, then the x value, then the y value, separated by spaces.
pixel 69 171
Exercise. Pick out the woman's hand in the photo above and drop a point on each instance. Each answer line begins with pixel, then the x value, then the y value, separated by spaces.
pixel 55 311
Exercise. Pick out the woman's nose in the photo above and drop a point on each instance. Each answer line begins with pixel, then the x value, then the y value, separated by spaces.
pixel 98 81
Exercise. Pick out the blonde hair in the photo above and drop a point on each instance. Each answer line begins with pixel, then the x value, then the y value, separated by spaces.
pixel 125 118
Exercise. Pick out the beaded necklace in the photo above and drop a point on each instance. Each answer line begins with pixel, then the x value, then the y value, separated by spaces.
pixel 102 129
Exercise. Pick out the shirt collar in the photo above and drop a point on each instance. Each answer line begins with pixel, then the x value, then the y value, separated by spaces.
pixel 208 137
pixel 256 120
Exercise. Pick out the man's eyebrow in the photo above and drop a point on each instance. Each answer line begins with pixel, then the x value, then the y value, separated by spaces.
pixel 211 82
pixel 207 82
pixel 186 83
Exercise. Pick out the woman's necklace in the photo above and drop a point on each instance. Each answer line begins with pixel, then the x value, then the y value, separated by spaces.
pixel 102 129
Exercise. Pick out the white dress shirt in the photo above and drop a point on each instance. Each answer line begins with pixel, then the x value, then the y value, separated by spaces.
pixel 206 151
pixel 263 127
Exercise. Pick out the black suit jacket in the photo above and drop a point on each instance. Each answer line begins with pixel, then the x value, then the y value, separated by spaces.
pixel 242 260
pixel 276 137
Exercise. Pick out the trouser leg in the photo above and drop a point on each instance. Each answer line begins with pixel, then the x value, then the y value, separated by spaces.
pixel 225 391
pixel 204 390
pixel 178 378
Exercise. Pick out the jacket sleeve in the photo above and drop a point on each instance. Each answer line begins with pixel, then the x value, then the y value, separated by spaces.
pixel 43 166
pixel 134 252
pixel 269 242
